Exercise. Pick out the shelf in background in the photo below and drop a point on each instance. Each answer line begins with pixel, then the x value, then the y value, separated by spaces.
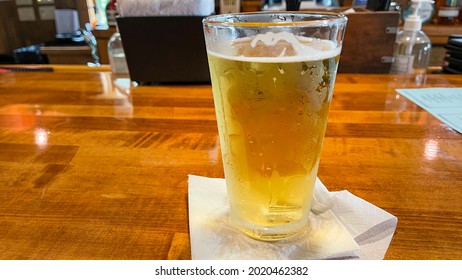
pixel 439 34
pixel 67 54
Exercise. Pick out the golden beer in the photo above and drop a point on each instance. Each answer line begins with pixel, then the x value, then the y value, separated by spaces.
pixel 272 115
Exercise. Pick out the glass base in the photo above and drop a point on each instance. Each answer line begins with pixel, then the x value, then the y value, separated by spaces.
pixel 270 233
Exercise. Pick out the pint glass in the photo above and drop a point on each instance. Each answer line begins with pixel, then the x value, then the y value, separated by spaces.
pixel 272 78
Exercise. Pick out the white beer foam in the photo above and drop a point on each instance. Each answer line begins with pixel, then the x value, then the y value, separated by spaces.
pixel 307 49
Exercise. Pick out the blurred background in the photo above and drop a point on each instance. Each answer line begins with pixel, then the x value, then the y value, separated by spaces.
pixel 77 31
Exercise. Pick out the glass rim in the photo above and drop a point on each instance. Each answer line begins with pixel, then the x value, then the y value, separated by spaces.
pixel 325 18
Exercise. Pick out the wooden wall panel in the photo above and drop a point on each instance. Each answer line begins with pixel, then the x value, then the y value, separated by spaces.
pixel 9 33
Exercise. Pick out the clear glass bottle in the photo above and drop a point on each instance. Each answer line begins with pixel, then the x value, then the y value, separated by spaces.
pixel 115 51
pixel 412 49
pixel 425 9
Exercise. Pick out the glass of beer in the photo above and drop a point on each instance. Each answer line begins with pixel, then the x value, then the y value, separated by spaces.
pixel 272 78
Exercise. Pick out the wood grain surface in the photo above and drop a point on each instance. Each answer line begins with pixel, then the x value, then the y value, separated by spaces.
pixel 93 169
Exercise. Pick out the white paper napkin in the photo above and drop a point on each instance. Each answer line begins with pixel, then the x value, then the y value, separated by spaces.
pixel 342 226
pixel 138 8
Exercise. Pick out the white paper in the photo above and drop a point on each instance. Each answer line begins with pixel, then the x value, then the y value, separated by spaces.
pixel 343 226
pixel 136 8
pixel 443 103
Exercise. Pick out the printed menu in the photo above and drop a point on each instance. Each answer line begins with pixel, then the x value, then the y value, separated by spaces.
pixel 443 103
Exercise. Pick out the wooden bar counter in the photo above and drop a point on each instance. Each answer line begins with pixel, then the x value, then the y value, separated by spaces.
pixel 91 168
